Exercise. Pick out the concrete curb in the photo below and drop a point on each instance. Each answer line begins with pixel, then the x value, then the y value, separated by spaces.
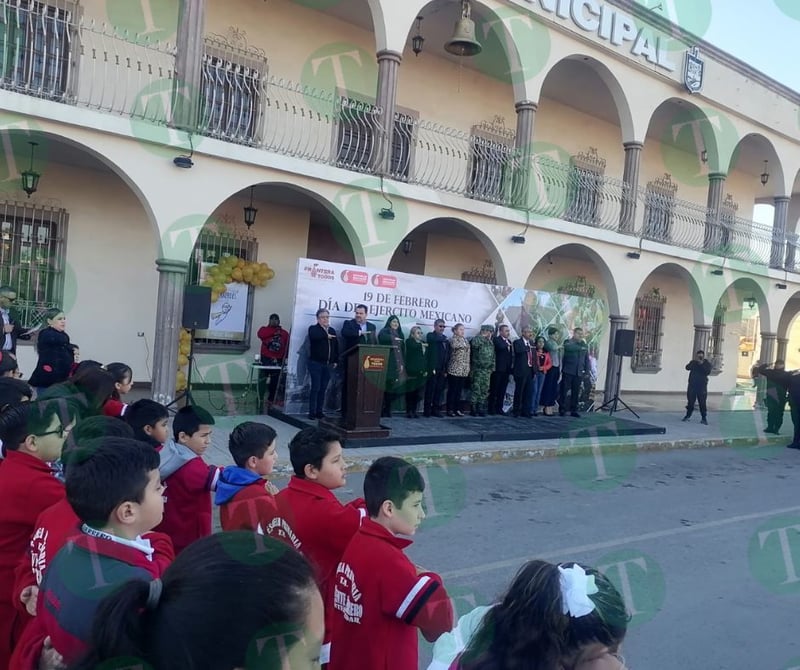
pixel 358 462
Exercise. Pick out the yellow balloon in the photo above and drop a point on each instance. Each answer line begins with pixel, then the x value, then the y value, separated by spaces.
pixel 270 274
pixel 237 274
pixel 183 361
pixel 184 348
pixel 214 296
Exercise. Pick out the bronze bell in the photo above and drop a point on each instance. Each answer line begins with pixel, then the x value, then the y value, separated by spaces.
pixel 463 41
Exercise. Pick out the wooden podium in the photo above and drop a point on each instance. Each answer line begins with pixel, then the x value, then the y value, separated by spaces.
pixel 367 365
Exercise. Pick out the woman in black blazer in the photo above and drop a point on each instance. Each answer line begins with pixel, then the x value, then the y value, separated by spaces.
pixel 55 352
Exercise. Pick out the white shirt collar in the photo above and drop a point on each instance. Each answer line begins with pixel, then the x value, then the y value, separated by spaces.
pixel 139 543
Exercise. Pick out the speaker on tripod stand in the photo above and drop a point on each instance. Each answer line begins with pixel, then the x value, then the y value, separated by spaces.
pixel 624 341
pixel 196 316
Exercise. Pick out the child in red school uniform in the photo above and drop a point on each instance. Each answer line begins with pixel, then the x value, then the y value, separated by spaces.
pixel 379 597
pixel 58 522
pixel 246 500
pixel 114 487
pixel 311 518
pixel 187 506
pixel 33 435
pixel 150 422
pixel 123 381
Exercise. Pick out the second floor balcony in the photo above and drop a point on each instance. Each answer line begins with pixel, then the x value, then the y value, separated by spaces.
pixel 56 54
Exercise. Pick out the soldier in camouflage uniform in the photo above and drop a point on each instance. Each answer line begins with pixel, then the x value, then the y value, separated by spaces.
pixel 481 369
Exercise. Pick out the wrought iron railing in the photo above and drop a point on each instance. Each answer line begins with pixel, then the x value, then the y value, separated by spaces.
pixel 49 51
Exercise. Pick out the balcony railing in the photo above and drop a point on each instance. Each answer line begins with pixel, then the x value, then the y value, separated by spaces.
pixel 50 52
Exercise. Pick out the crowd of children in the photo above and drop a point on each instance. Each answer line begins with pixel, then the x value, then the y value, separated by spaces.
pixel 108 560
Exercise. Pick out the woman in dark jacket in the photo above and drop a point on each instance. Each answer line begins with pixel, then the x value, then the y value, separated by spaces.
pixel 55 352
pixel 416 370
pixel 392 335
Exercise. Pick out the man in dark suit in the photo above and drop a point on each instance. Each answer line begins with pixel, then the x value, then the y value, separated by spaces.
pixel 503 368
pixel 354 332
pixel 12 329
pixel 523 374
pixel 438 357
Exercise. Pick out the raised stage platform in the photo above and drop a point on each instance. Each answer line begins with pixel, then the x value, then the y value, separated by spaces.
pixel 490 429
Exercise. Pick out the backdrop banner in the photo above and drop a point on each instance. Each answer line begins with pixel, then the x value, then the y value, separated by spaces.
pixel 418 300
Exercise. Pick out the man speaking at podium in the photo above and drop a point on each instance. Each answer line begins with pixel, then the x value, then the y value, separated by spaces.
pixel 354 332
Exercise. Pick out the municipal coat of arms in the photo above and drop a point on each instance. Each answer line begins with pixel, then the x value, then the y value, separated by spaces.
pixel 693 70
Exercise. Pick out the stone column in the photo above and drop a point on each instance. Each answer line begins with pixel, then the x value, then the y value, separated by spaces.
pixel 386 99
pixel 715 238
pixel 526 119
pixel 776 258
pixel 169 313
pixel 783 344
pixel 630 186
pixel 702 335
pixel 610 389
pixel 190 47
pixel 768 341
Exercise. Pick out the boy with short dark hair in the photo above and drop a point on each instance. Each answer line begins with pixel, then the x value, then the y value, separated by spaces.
pixel 379 597
pixel 33 435
pixel 114 487
pixel 311 517
pixel 149 420
pixel 187 508
pixel 246 500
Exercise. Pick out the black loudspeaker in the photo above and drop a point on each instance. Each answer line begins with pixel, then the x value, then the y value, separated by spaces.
pixel 623 342
pixel 196 307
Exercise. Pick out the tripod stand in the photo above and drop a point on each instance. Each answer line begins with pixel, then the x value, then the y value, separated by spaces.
pixel 611 405
pixel 187 394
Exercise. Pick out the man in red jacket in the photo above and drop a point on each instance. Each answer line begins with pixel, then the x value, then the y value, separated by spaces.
pixel 310 516
pixel 33 435
pixel 380 598
pixel 246 500
pixel 274 347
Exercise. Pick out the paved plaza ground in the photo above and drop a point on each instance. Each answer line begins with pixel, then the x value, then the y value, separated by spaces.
pixel 697 527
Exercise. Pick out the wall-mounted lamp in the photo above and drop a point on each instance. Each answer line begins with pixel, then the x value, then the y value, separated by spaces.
pixel 407 246
pixel 704 155
pixel 781 286
pixel 250 212
pixel 765 174
pixel 518 239
pixel 717 272
pixel 751 302
pixel 183 162
pixel 30 178
pixel 634 254
pixel 387 213
pixel 418 40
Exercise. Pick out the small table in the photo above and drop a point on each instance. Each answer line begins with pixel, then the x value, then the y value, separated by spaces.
pixel 253 379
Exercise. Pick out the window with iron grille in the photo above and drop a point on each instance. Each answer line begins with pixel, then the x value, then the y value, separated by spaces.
pixel 491 161
pixel 209 249
pixel 32 248
pixel 36 47
pixel 355 134
pixel 649 315
pixel 716 340
pixel 231 91
pixel 585 187
pixel 659 209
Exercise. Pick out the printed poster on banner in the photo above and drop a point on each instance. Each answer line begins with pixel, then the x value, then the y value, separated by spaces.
pixel 228 315
pixel 417 300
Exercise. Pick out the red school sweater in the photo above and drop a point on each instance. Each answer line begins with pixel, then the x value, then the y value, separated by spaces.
pixel 28 650
pixel 28 487
pixel 252 508
pixel 311 518
pixel 379 601
pixel 187 503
